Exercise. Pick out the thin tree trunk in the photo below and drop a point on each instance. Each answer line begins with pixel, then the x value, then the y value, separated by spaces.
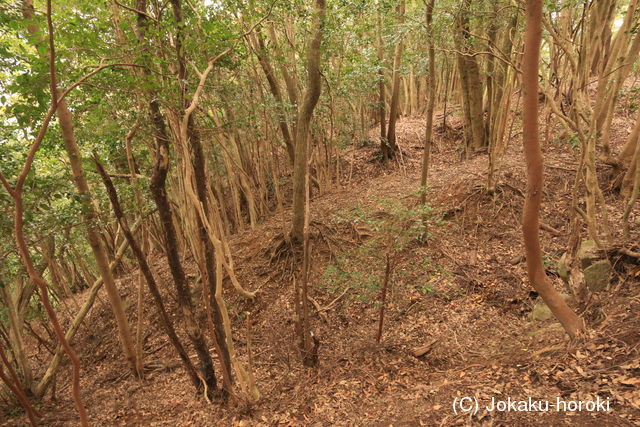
pixel 263 59
pixel 17 389
pixel 311 96
pixel 50 373
pixel 159 194
pixel 383 295
pixel 93 234
pixel 490 67
pixel 572 324
pixel 209 273
pixel 634 178
pixel 16 340
pixel 145 271
pixel 381 86
pixel 464 95
pixel 17 193
pixel 391 144
pixel 430 104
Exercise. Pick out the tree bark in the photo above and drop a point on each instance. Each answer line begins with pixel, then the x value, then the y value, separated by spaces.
pixel 381 95
pixel 311 96
pixel 209 268
pixel 93 233
pixel 470 75
pixel 17 192
pixel 572 324
pixel 165 320
pixel 159 194
pixel 274 87
pixel 430 103
pixel 49 374
pixel 391 145
pixel 16 389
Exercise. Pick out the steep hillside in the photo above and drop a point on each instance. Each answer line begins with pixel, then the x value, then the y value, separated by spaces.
pixel 458 320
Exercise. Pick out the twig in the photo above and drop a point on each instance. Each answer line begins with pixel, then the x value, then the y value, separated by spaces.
pixel 318 309
pixel 550 229
pixel 337 298
pixel 139 12
pixel 629 252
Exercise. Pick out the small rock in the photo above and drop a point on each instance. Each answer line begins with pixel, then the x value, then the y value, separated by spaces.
pixel 563 267
pixel 517 259
pixel 597 275
pixel 541 311
pixel 587 254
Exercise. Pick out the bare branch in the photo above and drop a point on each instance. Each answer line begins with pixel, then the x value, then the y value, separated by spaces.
pixel 6 185
pixel 133 9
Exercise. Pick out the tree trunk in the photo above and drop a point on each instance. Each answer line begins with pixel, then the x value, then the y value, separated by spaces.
pixel 572 324
pixel 93 233
pixel 165 320
pixel 472 91
pixel 16 340
pixel 634 182
pixel 267 68
pixel 50 373
pixel 466 111
pixel 391 146
pixel 311 96
pixel 209 270
pixel 16 388
pixel 159 194
pixel 381 95
pixel 430 103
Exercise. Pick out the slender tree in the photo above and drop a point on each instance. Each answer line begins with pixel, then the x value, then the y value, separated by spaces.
pixel 391 145
pixel 311 96
pixel 382 115
pixel 572 324
pixel 165 320
pixel 158 187
pixel 65 119
pixel 17 192
pixel 430 102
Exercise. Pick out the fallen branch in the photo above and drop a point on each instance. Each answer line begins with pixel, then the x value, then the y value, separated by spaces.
pixel 629 252
pixel 336 299
pixel 550 229
pixel 318 308
pixel 613 250
pixel 424 349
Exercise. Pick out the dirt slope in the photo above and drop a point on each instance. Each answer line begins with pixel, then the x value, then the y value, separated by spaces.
pixel 463 294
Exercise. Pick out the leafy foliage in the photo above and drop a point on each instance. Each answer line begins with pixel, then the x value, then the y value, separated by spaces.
pixel 394 229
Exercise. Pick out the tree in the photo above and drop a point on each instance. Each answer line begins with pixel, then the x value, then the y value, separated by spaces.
pixel 305 113
pixel 382 115
pixel 65 119
pixel 430 103
pixel 148 275
pixel 390 146
pixel 471 85
pixel 572 324
pixel 16 192
pixel 159 192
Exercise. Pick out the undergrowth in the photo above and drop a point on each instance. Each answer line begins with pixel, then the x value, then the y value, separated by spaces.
pixel 389 232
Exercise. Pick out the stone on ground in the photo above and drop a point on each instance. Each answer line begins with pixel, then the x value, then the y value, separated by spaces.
pixel 541 311
pixel 597 275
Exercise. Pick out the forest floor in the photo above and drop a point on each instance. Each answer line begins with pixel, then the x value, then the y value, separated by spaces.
pixel 462 296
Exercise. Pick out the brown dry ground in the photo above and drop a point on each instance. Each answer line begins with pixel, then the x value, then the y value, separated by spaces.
pixel 475 314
